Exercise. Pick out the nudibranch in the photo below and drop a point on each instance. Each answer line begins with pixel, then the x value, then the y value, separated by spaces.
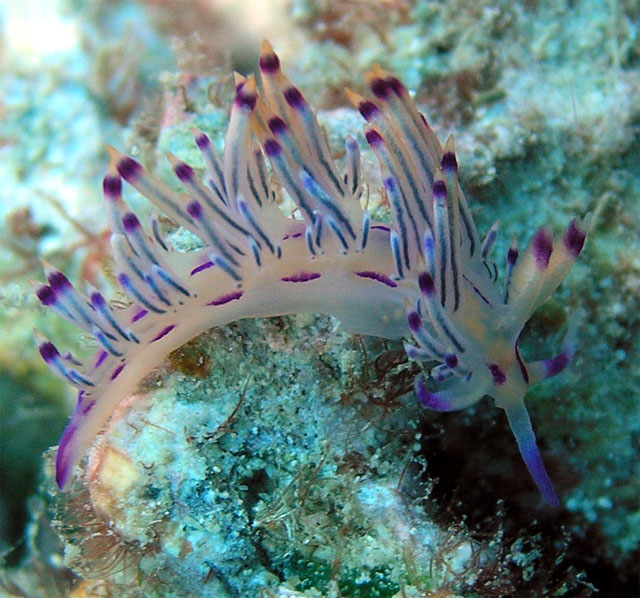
pixel 427 275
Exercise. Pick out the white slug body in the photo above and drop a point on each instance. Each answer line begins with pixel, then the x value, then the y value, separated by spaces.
pixel 257 262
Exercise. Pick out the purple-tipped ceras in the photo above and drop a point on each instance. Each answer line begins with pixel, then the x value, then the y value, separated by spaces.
pixel 332 259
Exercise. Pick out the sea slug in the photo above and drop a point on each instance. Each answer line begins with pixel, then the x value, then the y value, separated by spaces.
pixel 428 275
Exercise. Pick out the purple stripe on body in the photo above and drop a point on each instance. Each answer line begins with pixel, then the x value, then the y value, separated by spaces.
pixel 63 464
pixel 477 290
pixel 498 374
pixel 301 277
pixel 166 330
pixel 88 407
pixel 378 277
pixel 429 399
pixel 100 360
pixel 139 315
pixel 117 371
pixel 201 267
pixel 226 298
pixel 556 364
pixel 293 236
pixel 521 363
pixel 383 227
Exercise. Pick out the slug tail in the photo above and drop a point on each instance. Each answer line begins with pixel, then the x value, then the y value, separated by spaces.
pixel 521 426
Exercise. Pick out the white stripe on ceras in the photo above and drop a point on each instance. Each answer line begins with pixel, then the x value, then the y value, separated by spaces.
pixel 403 115
pixel 315 197
pixel 314 193
pixel 52 357
pixel 257 177
pixel 238 139
pixel 154 190
pixel 528 277
pixel 215 210
pixel 420 185
pixel 131 275
pixel 428 343
pixel 442 239
pixel 352 174
pixel 289 179
pixel 245 210
pixel 449 166
pixel 109 316
pixel 215 177
pixel 328 203
pixel 394 164
pixel 319 149
pixel 287 101
pixel 395 195
pixel 149 262
pixel 446 329
pixel 70 303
